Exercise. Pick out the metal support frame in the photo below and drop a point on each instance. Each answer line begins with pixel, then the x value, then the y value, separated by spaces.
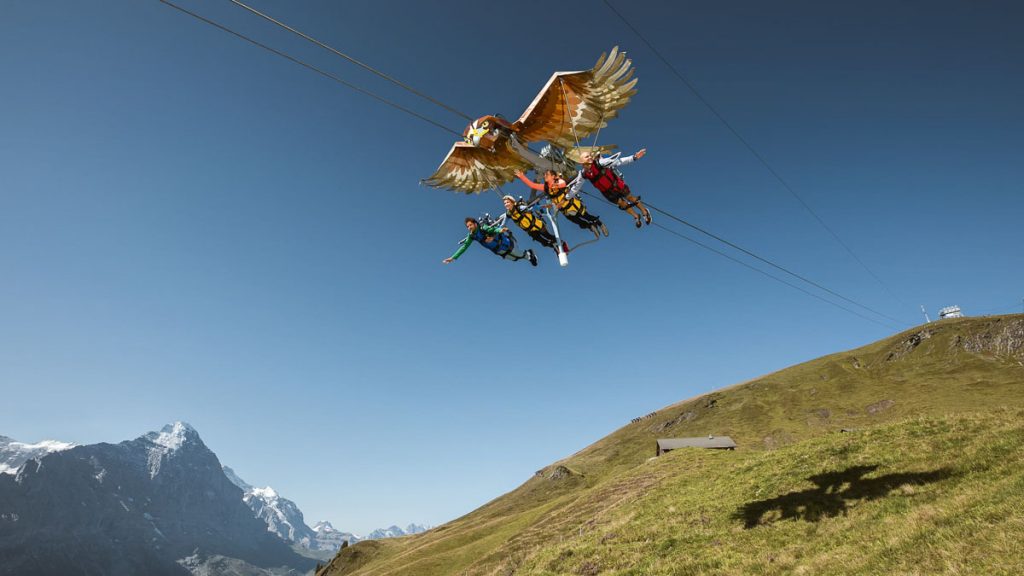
pixel 563 256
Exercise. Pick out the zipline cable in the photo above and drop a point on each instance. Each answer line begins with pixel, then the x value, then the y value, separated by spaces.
pixel 770 263
pixel 310 67
pixel 351 59
pixel 764 260
pixel 776 278
pixel 756 154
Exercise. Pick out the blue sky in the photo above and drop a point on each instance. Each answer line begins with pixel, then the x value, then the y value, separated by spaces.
pixel 194 229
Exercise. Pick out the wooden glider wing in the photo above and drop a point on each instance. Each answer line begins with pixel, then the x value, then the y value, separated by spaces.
pixel 470 169
pixel 573 105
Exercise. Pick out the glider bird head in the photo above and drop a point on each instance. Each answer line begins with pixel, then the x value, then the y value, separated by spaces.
pixel 485 131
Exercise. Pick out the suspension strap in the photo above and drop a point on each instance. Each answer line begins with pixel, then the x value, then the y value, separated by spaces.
pixel 572 123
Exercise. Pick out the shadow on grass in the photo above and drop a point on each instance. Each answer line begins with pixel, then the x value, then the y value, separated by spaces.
pixel 834 492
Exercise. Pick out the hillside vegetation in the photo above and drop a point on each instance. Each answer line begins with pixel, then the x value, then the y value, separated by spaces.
pixel 926 479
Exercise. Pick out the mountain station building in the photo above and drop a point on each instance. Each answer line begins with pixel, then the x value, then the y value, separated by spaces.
pixel 711 442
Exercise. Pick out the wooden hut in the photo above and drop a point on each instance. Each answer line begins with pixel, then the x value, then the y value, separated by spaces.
pixel 709 441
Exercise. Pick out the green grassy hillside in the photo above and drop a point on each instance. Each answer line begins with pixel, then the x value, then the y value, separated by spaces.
pixel 928 481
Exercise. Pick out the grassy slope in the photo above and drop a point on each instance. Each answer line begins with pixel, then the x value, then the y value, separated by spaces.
pixel 608 510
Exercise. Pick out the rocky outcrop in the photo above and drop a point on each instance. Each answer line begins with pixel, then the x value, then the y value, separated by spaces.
pixel 908 345
pixel 1002 338
pixel 679 419
pixel 559 472
pixel 996 337
pixel 821 413
pixel 880 406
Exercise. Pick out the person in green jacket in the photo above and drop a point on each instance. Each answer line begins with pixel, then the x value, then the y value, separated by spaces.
pixel 495 238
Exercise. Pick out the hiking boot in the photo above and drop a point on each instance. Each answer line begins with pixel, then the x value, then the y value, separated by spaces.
pixel 604 229
pixel 647 217
pixel 532 257
pixel 638 223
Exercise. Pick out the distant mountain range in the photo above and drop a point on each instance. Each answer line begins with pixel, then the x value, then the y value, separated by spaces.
pixel 395 532
pixel 131 492
pixel 284 518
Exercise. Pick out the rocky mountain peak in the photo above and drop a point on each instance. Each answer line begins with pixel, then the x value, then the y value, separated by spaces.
pixel 172 440
pixel 416 528
pixel 324 525
pixel 174 436
pixel 267 493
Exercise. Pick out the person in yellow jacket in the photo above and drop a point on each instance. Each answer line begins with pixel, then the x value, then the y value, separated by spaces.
pixel 529 221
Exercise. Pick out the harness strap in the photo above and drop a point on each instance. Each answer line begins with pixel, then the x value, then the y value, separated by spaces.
pixel 574 204
pixel 527 220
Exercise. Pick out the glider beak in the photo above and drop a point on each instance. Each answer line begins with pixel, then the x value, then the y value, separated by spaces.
pixel 475 134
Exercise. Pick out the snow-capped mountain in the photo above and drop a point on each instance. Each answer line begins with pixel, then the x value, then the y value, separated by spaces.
pixel 395 532
pixel 14 454
pixel 282 516
pixel 415 529
pixel 167 444
pixel 391 532
pixel 157 505
pixel 323 525
pixel 329 538
pixel 284 519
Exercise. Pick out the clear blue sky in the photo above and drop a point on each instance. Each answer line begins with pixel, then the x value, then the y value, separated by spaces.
pixel 194 229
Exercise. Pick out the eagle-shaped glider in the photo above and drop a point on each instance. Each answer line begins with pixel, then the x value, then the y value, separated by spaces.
pixel 571 106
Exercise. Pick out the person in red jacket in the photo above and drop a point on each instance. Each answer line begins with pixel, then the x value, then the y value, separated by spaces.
pixel 602 172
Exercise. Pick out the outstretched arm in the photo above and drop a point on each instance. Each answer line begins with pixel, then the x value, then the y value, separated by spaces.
pixel 533 185
pixel 617 160
pixel 575 186
pixel 462 248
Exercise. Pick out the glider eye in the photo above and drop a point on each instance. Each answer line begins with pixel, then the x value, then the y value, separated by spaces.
pixel 485 124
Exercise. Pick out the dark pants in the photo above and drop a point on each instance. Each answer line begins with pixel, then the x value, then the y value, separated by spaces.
pixel 543 237
pixel 583 220
pixel 506 248
pixel 626 201
pixel 615 195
